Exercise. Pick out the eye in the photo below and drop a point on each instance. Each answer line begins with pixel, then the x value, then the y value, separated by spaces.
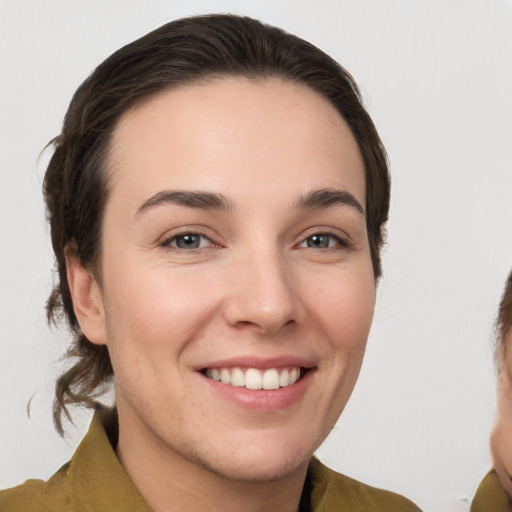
pixel 323 241
pixel 188 241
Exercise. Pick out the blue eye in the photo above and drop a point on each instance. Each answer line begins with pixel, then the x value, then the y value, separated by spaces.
pixel 188 241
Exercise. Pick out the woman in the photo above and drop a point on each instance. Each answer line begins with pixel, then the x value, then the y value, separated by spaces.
pixel 495 491
pixel 217 199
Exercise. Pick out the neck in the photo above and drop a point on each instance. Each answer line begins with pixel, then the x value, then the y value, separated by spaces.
pixel 170 482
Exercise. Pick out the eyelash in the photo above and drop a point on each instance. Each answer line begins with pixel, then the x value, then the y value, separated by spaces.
pixel 339 242
pixel 168 242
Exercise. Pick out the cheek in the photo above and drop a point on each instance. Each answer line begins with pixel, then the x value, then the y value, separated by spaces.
pixel 345 306
pixel 160 308
pixel 504 411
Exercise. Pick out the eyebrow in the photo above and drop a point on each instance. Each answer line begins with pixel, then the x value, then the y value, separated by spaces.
pixel 321 198
pixel 192 199
pixel 325 198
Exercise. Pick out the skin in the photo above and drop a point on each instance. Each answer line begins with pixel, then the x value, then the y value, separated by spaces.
pixel 501 436
pixel 254 289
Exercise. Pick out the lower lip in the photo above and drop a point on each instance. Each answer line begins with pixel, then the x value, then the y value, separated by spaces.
pixel 261 399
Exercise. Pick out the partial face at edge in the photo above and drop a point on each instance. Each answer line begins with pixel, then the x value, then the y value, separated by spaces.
pixel 234 245
pixel 501 437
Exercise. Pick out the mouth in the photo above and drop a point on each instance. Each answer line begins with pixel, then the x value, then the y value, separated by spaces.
pixel 254 378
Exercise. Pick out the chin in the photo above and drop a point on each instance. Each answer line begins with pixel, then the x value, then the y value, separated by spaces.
pixel 256 462
pixel 259 469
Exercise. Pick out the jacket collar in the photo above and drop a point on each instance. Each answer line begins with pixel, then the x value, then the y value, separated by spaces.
pixel 97 478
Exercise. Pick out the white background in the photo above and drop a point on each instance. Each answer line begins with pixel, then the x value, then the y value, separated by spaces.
pixel 437 79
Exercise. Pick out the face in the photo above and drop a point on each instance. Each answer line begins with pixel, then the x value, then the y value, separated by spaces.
pixel 237 288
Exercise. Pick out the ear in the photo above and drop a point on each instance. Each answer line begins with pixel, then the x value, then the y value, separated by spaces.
pixel 87 298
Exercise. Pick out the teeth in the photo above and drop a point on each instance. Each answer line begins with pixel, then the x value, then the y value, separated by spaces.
pixel 237 378
pixel 253 378
pixel 225 376
pixel 271 379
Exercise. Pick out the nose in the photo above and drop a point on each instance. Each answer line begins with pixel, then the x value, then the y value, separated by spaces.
pixel 263 295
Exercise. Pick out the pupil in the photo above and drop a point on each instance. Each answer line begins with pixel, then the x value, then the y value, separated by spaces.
pixel 318 241
pixel 187 242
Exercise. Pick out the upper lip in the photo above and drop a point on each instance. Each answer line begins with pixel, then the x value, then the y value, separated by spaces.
pixel 262 363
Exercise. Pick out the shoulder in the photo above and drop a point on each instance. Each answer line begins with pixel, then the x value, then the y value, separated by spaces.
pixel 490 496
pixel 333 491
pixel 93 480
pixel 37 495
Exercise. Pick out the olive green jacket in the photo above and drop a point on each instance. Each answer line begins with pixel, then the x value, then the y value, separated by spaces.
pixel 95 481
pixel 490 496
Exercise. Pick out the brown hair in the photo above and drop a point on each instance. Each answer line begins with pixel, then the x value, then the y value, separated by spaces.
pixel 504 320
pixel 183 51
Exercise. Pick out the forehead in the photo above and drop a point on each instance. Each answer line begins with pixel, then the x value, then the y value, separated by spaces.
pixel 236 129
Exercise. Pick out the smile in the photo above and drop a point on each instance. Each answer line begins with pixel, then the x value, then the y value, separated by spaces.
pixel 253 378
